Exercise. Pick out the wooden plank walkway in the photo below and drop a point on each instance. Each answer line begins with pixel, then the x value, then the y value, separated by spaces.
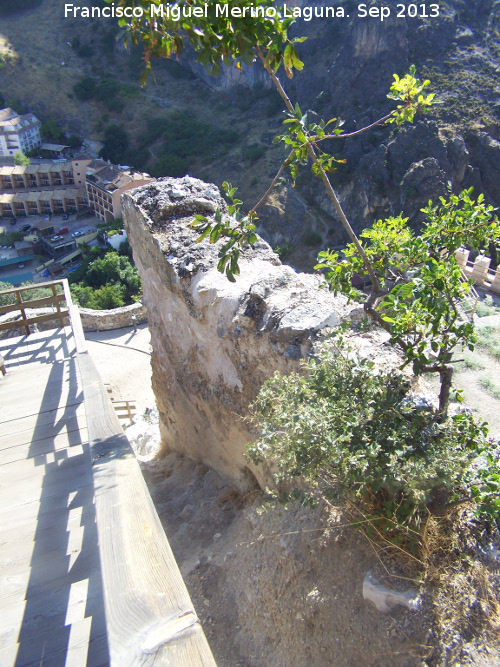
pixel 51 594
pixel 87 576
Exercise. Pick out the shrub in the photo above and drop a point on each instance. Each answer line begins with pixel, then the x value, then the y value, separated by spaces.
pixel 85 51
pixel 85 88
pixel 115 144
pixel 21 159
pixel 51 131
pixel 170 165
pixel 104 298
pixel 74 141
pixel 312 238
pixel 106 89
pixel 350 430
pixel 8 238
pixel 112 270
pixel 253 152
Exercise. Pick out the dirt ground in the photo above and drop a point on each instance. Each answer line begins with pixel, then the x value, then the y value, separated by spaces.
pixel 281 586
pixel 274 585
pixel 123 359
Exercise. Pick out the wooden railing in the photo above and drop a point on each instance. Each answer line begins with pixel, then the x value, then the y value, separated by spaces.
pixel 57 300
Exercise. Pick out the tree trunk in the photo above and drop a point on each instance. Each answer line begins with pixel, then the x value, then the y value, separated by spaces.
pixel 446 374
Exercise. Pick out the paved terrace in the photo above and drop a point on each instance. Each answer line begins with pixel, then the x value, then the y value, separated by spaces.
pixel 86 573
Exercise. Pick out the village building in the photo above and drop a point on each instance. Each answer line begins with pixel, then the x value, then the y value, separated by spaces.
pixel 106 183
pixel 81 185
pixel 18 132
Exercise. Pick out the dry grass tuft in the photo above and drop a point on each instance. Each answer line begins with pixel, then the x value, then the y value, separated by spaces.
pixel 446 560
pixel 465 592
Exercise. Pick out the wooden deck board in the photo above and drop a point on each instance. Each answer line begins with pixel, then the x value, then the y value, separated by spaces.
pixel 25 448
pixel 51 599
pixel 48 424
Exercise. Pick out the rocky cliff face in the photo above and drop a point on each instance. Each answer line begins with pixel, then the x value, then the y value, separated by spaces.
pixel 349 65
pixel 400 169
pixel 215 342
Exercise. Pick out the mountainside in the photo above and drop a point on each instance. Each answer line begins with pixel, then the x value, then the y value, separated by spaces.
pixel 186 121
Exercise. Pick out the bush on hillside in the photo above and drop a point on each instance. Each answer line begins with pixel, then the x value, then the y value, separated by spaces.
pixel 170 165
pixel 85 88
pixel 115 145
pixel 350 430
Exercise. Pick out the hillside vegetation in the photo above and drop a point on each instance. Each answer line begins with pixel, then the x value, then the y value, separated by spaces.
pixel 77 73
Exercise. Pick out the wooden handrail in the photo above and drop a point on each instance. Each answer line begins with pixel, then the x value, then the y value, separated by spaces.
pixel 34 303
pixel 150 619
pixel 23 288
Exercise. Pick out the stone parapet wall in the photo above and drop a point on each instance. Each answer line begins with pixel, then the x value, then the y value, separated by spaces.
pixel 215 342
pixel 116 318
pixel 92 320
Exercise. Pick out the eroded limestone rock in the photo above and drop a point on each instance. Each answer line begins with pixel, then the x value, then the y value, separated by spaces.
pixel 215 342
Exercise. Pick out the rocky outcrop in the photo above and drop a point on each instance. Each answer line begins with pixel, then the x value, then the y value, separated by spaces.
pixel 215 342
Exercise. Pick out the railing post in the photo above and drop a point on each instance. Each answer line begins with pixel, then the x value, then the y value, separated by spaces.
pixel 59 314
pixel 23 312
pixel 480 269
pixel 495 283
pixel 461 257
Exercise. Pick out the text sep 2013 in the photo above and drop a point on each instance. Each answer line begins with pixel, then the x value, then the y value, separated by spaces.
pixel 306 13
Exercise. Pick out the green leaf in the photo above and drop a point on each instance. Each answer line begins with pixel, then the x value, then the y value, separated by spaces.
pixel 215 234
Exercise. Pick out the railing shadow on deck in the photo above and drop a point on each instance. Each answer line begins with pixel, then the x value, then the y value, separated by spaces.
pixel 36 348
pixel 64 598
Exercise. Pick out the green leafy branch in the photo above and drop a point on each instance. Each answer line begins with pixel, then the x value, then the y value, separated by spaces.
pixel 419 284
pixel 238 229
pixel 300 134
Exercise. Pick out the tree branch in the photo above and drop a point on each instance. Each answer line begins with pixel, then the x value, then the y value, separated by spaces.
pixel 331 193
pixel 274 181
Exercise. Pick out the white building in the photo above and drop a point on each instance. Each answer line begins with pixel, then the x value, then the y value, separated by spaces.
pixel 18 132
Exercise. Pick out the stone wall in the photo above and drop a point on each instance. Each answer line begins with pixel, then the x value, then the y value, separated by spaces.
pixel 116 318
pixel 92 320
pixel 215 342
